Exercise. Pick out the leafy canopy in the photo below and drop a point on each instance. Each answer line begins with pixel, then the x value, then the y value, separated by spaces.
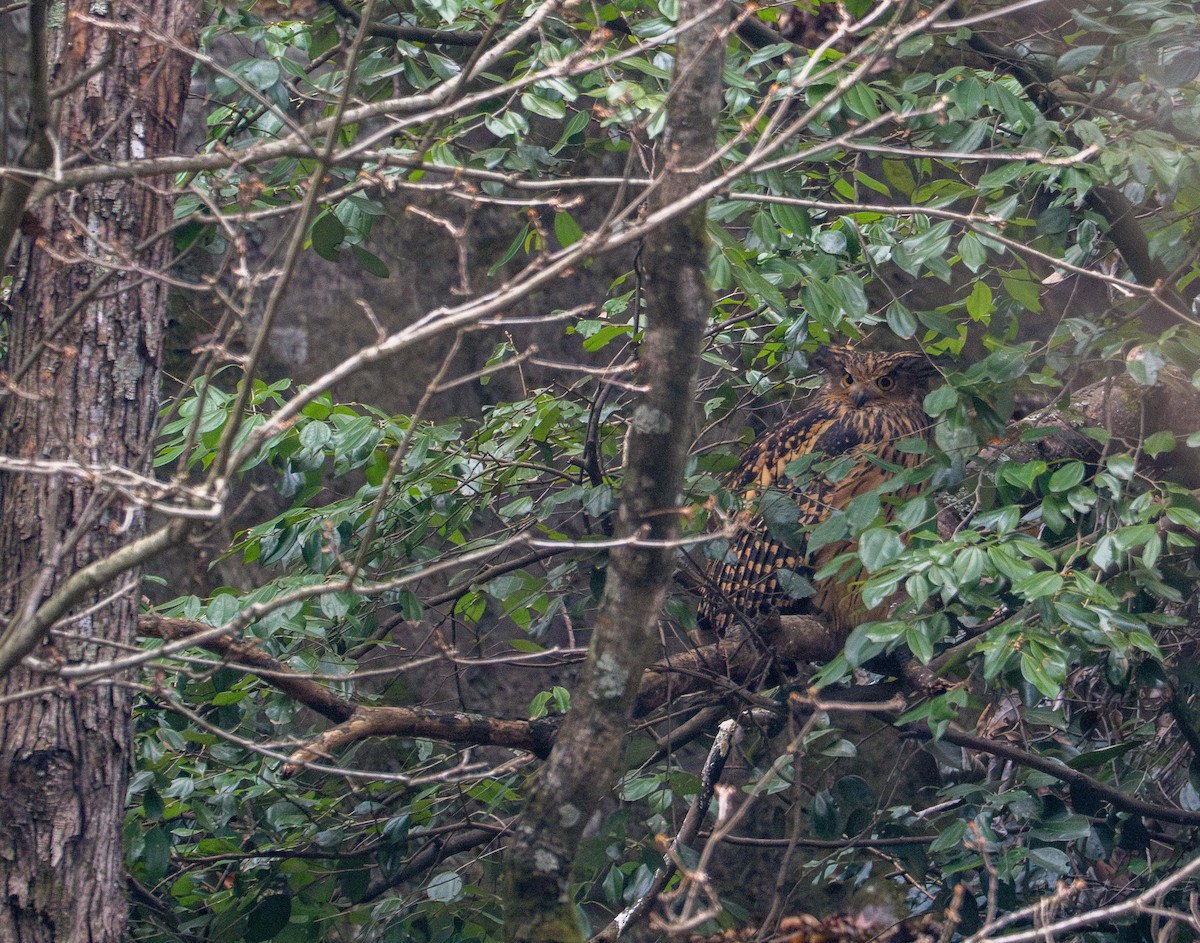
pixel 904 182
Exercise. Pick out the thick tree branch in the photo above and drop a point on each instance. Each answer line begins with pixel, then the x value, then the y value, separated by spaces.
pixel 22 635
pixel 244 654
pixel 1063 773
pixel 355 721
pixel 534 736
pixel 736 659
pixel 430 854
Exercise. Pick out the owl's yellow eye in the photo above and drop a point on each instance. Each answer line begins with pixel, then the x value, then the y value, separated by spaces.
pixel 847 380
pixel 887 384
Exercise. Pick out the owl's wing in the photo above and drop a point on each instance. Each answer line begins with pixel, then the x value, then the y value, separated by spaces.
pixel 743 583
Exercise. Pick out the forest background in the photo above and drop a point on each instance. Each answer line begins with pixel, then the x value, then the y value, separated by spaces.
pixel 370 370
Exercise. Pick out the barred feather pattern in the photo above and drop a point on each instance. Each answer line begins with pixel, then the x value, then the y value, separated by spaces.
pixel 869 402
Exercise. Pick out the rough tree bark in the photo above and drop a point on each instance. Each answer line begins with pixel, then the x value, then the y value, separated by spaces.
pixel 585 762
pixel 80 383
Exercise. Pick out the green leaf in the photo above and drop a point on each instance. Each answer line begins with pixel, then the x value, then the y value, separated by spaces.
pixel 951 837
pixel 834 527
pixel 1039 585
pixel 915 46
pixel 860 646
pixel 371 263
pixel 1002 520
pixel 512 250
pixel 1101 757
pixel 940 400
pixel 853 792
pixel 860 100
pixel 639 787
pixel 968 565
pixel 1022 474
pixel 879 589
pixel 1185 517
pixel 823 816
pixel 1005 173
pixel 1050 859
pixel 1021 287
pixel 791 219
pixel 578 122
pixel 327 235
pixel 1055 220
pixel 543 106
pixel 901 320
pixel 769 52
pixel 1121 465
pixel 899 176
pixel 527 646
pixel 793 584
pixel 915 513
pixel 614 884
pixel 445 887
pixel 1068 828
pixel 971 137
pixel 1158 443
pixel 1067 477
pixel 972 252
pixel 979 302
pixel 566 230
pixel 1077 58
pixel 878 547
pixel 863 510
pixel 268 918
pixel 259 73
pixel 832 241
pixel 606 335
pixel 919 644
pixel 968 95
pixel 871 183
pixel 1034 670
pixel 156 853
pixel 1146 366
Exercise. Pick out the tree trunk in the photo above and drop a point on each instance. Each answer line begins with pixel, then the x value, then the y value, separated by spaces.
pixel 585 762
pixel 86 322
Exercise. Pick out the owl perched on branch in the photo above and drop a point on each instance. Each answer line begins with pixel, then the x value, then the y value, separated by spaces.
pixel 868 404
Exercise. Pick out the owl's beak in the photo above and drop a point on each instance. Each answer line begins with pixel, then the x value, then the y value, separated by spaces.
pixel 860 396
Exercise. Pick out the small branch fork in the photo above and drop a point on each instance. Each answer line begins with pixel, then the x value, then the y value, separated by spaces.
pixel 688 832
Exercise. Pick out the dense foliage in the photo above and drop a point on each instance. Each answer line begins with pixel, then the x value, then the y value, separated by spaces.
pixel 1016 194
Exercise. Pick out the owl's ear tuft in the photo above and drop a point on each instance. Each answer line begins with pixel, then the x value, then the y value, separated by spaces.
pixel 829 359
pixel 919 366
pixel 932 369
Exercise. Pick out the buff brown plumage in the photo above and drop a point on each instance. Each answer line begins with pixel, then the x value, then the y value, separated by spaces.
pixel 869 402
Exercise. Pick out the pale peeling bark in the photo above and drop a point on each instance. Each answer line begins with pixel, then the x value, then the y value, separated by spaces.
pixel 82 385
pixel 586 760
